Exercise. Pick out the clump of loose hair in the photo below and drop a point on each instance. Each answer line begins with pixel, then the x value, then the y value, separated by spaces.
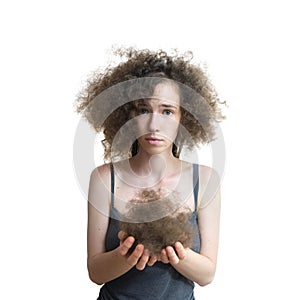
pixel 198 118
pixel 158 234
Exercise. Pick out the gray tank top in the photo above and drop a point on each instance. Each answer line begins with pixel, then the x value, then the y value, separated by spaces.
pixel 161 281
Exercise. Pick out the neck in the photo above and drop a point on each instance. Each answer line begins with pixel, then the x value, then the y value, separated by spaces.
pixel 148 171
pixel 157 165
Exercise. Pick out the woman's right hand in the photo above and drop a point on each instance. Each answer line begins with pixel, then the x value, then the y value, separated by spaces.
pixel 139 257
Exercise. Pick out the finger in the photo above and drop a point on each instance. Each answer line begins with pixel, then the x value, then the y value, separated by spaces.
pixel 152 261
pixel 181 252
pixel 135 255
pixel 121 235
pixel 126 245
pixel 173 258
pixel 143 261
pixel 164 256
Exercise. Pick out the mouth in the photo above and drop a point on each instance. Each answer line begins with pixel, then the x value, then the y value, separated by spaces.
pixel 153 140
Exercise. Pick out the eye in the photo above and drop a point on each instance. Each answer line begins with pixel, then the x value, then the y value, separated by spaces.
pixel 143 111
pixel 167 112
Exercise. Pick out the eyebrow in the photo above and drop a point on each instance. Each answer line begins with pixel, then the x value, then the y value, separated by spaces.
pixel 169 106
pixel 162 105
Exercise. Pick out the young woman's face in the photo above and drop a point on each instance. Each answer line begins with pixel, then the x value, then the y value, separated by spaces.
pixel 158 119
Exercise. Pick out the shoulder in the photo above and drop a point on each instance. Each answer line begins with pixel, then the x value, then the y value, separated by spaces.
pixel 209 184
pixel 101 172
pixel 99 186
pixel 207 173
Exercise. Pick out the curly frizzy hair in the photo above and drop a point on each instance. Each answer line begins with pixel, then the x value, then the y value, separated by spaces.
pixel 158 234
pixel 198 120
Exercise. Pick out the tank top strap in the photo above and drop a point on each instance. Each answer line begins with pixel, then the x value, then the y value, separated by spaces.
pixel 196 184
pixel 112 185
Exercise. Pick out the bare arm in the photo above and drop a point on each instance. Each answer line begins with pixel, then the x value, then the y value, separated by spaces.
pixel 105 266
pixel 201 267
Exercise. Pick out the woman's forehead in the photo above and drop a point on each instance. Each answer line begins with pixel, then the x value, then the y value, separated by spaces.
pixel 167 92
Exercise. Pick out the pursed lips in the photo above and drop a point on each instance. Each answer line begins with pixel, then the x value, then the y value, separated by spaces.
pixel 153 140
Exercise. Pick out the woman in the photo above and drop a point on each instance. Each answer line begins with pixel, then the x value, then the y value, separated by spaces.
pixel 149 107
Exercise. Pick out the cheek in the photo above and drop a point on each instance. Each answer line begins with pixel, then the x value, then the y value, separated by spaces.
pixel 141 125
pixel 171 129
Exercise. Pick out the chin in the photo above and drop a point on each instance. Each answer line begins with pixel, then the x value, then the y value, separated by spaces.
pixel 156 151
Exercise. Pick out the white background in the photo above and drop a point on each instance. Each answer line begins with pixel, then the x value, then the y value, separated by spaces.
pixel 48 48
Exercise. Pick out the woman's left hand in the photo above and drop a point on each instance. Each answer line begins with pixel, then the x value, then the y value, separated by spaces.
pixel 174 254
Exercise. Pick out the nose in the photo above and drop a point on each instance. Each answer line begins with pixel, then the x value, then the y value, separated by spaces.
pixel 154 122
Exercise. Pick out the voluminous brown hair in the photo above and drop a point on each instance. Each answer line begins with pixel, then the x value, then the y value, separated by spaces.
pixel 197 117
pixel 158 234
